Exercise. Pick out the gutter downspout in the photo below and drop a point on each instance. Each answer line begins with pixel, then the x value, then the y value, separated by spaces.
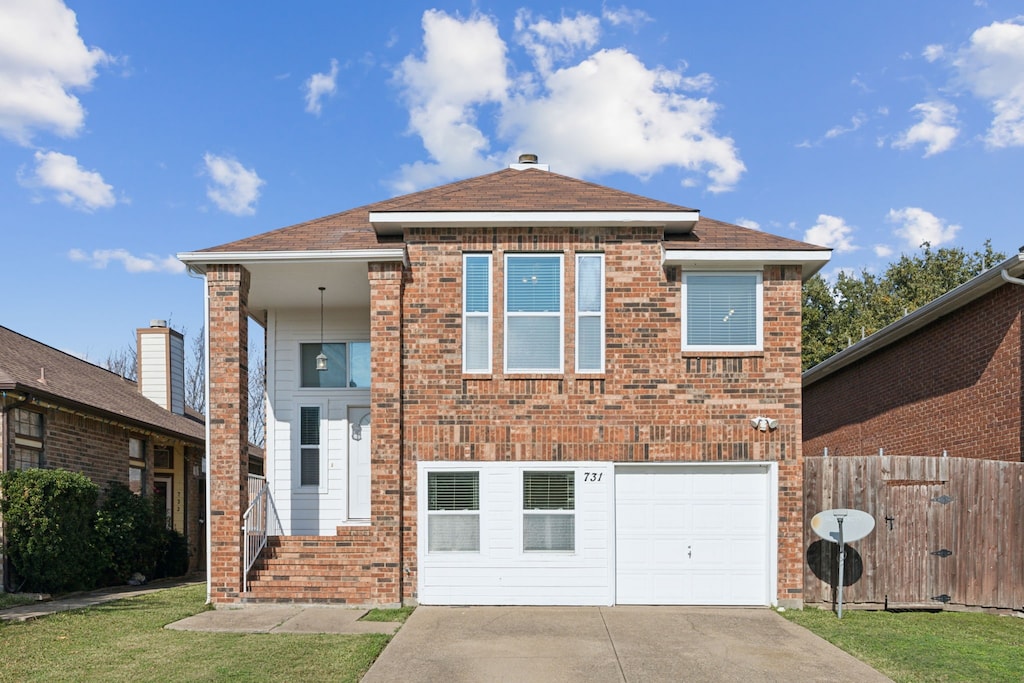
pixel 1011 280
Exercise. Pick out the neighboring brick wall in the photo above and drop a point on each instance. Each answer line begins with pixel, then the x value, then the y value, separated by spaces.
pixel 95 449
pixel 653 403
pixel 228 292
pixel 952 386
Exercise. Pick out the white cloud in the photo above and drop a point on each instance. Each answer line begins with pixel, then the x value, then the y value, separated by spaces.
pixel 883 250
pixel 320 85
pixel 992 67
pixel 917 226
pixel 549 42
pixel 42 60
pixel 72 185
pixel 624 16
pixel 747 223
pixel 149 263
pixel 831 231
pixel 856 121
pixel 644 117
pixel 933 52
pixel 234 188
pixel 936 130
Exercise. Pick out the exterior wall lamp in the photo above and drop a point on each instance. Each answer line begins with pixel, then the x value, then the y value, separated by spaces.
pixel 764 424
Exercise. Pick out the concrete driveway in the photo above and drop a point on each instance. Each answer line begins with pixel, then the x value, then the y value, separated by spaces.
pixel 598 644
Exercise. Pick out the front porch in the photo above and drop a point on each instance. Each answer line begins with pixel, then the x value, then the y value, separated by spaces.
pixel 332 464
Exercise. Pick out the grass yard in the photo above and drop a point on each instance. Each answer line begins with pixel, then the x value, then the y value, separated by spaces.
pixel 125 641
pixel 15 599
pixel 925 646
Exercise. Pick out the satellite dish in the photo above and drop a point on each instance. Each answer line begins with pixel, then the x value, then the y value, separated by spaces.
pixel 856 524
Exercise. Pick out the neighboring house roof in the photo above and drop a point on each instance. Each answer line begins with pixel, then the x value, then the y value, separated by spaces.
pixel 31 367
pixel 949 302
pixel 509 191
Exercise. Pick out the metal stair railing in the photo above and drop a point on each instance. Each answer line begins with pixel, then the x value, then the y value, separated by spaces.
pixel 259 521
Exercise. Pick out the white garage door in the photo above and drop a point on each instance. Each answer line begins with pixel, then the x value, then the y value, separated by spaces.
pixel 692 535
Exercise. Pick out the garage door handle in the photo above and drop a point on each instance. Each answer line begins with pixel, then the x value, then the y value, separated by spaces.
pixel 689 551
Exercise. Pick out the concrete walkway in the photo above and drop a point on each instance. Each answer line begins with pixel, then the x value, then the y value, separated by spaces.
pixel 84 599
pixel 613 644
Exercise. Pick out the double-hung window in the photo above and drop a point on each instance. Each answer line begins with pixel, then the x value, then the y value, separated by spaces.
pixel 27 452
pixel 453 511
pixel 722 311
pixel 476 313
pixel 533 313
pixel 549 511
pixel 590 313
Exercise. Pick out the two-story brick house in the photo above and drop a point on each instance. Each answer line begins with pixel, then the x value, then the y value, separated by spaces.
pixel 538 390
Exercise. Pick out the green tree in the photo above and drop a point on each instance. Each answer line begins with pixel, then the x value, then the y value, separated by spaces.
pixel 857 305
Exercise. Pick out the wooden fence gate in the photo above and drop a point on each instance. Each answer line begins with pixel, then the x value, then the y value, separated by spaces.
pixel 948 531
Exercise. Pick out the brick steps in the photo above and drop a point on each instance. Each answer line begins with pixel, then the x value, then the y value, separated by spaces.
pixel 309 569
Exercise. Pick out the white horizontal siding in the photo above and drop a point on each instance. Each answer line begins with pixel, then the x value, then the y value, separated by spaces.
pixel 502 573
pixel 304 511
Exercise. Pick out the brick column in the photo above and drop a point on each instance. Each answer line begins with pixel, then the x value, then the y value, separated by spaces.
pixel 386 425
pixel 227 329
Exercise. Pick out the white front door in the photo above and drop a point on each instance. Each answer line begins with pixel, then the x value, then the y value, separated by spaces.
pixel 692 535
pixel 359 463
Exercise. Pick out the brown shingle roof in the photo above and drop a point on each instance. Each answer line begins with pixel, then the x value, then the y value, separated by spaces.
pixel 29 366
pixel 508 190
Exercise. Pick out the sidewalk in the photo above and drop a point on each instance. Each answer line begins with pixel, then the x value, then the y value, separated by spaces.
pixel 244 619
pixel 90 599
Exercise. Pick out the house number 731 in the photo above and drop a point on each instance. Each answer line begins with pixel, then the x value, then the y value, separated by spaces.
pixel 592 476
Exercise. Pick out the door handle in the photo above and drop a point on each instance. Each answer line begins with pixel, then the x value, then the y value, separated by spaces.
pixel 689 551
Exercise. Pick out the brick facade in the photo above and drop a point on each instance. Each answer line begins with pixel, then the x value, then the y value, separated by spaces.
pixel 652 404
pixel 228 415
pixel 953 386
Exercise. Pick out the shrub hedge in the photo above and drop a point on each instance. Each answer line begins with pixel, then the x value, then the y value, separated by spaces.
pixel 58 540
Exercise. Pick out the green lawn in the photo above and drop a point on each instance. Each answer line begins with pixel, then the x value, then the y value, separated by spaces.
pixel 126 641
pixel 15 599
pixel 926 646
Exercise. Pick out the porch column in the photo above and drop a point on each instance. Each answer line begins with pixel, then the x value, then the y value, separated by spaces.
pixel 386 426
pixel 228 413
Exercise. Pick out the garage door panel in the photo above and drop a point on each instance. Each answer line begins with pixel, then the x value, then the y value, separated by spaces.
pixel 692 535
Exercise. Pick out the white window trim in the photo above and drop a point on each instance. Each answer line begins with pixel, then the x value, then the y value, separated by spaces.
pixel 550 468
pixel 488 315
pixel 759 303
pixel 600 315
pixel 296 459
pixel 560 314
pixel 445 513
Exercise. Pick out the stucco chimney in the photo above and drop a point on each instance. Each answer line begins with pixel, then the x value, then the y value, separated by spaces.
pixel 161 365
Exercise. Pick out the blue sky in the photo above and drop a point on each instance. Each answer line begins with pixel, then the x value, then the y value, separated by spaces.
pixel 132 131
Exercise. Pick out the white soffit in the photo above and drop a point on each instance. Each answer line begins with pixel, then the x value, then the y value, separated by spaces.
pixel 393 222
pixel 721 259
pixel 198 260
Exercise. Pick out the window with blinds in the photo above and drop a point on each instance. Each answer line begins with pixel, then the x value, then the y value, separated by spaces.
pixel 533 313
pixel 453 511
pixel 476 312
pixel 722 311
pixel 549 511
pixel 309 446
pixel 590 313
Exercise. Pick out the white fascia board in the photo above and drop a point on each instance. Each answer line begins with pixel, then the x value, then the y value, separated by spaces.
pixel 812 261
pixel 956 298
pixel 392 222
pixel 198 260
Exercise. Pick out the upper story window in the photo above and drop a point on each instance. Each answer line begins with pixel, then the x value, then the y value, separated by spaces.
pixel 590 313
pixel 722 312
pixel 533 313
pixel 348 365
pixel 27 452
pixel 476 313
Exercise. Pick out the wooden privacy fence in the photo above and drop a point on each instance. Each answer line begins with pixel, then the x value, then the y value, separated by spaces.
pixel 948 531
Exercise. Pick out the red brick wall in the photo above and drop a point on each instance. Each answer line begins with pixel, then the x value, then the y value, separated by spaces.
pixel 954 385
pixel 653 403
pixel 228 292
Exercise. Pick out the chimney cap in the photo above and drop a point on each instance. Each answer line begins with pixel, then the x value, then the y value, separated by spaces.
pixel 528 161
pixel 156 322
pixel 528 158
